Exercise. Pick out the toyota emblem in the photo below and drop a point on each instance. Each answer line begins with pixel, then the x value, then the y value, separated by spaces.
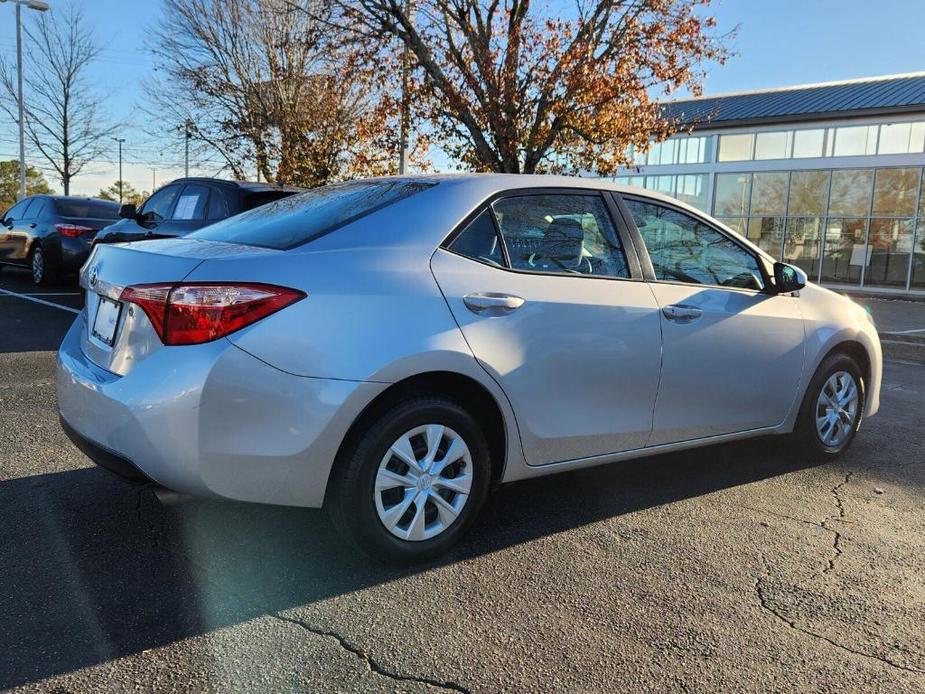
pixel 94 275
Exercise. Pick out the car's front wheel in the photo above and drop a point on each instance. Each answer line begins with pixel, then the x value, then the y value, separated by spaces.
pixel 832 408
pixel 411 483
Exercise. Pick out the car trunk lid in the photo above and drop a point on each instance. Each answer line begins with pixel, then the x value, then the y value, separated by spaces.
pixel 117 335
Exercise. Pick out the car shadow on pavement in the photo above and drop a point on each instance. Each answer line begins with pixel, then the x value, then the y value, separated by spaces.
pixel 94 569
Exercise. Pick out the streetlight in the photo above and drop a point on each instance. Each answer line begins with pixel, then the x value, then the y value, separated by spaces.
pixel 120 140
pixel 41 7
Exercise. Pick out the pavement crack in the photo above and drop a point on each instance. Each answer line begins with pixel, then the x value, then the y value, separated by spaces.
pixel 836 535
pixel 768 606
pixel 371 663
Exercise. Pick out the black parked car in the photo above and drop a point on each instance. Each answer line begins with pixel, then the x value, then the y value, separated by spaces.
pixel 52 233
pixel 188 204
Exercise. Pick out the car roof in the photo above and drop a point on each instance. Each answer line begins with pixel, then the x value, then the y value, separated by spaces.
pixel 248 186
pixel 70 197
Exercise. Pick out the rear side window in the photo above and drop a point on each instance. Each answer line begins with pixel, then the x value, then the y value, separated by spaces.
pixel 218 205
pixel 479 241
pixel 300 218
pixel 560 233
pixel 90 209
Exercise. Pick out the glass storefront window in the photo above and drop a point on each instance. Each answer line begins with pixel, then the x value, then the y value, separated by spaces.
pixel 736 147
pixel 851 191
pixel 769 193
pixel 692 189
pixel 737 224
pixel 918 258
pixel 774 145
pixel 895 191
pixel 767 233
pixel 809 193
pixel 801 244
pixel 894 138
pixel 808 143
pixel 731 195
pixel 692 150
pixel 888 252
pixel 662 184
pixel 843 257
pixel 855 140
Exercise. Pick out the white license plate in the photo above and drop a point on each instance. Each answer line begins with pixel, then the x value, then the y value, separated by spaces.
pixel 106 321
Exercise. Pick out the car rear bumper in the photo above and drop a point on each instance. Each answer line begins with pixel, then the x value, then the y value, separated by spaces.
pixel 210 421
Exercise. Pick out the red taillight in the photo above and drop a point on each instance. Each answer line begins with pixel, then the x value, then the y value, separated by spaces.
pixel 189 314
pixel 72 230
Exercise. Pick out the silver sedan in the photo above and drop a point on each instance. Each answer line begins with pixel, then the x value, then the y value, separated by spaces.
pixel 392 348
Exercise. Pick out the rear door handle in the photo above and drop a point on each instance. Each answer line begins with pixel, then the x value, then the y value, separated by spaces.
pixel 679 313
pixel 491 304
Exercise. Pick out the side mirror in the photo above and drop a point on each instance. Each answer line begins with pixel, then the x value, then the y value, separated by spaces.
pixel 788 278
pixel 128 211
pixel 8 222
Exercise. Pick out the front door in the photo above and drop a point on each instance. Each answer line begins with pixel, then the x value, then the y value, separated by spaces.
pixel 732 352
pixel 554 310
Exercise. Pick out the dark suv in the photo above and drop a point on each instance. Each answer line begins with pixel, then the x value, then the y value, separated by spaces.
pixel 188 204
pixel 51 234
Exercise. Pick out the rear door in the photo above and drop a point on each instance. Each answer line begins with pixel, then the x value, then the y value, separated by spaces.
pixel 548 294
pixel 732 354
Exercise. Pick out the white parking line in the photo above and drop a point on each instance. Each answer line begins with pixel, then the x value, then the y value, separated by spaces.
pixel 5 292
pixel 51 293
pixel 907 332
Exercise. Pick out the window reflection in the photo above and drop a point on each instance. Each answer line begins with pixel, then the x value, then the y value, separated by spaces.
pixel 895 191
pixel 844 250
pixel 801 244
pixel 851 192
pixel 767 233
pixel 732 193
pixel 769 193
pixel 918 257
pixel 736 147
pixel 888 255
pixel 809 193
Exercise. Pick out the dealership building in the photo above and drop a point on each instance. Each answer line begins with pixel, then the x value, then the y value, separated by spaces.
pixel 828 177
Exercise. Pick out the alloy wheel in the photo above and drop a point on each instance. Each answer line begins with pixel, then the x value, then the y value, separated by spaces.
pixel 837 409
pixel 38 265
pixel 423 482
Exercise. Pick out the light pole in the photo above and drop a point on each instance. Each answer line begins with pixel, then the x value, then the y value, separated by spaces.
pixel 120 140
pixel 41 7
pixel 188 125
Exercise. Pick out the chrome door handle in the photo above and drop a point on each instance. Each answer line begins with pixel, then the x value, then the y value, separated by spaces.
pixel 679 313
pixel 491 304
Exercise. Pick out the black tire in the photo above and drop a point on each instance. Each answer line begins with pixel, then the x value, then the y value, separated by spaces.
pixel 43 273
pixel 350 500
pixel 806 437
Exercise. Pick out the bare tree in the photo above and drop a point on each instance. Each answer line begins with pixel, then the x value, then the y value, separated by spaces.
pixel 520 86
pixel 266 86
pixel 63 119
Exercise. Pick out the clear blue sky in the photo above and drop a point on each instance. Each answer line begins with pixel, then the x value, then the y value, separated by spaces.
pixel 779 43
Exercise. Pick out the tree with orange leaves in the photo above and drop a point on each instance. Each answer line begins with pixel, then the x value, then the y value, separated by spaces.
pixel 512 86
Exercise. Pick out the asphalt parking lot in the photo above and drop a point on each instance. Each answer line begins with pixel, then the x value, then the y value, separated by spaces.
pixel 738 568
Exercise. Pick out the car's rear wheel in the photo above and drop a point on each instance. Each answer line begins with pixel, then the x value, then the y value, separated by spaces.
pixel 42 273
pixel 832 408
pixel 413 481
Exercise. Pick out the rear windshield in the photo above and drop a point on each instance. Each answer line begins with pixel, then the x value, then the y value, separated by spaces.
pixel 252 200
pixel 300 218
pixel 89 209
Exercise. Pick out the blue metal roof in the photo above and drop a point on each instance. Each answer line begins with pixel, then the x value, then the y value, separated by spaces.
pixel 877 95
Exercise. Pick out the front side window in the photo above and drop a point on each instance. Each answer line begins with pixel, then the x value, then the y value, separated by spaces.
pixel 191 205
pixel 16 211
pixel 560 233
pixel 684 249
pixel 158 205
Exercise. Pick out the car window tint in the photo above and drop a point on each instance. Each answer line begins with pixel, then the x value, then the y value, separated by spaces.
pixel 300 218
pixel 15 212
pixel 479 241
pixel 560 233
pixel 36 209
pixel 89 209
pixel 218 205
pixel 28 211
pixel 158 205
pixel 684 249
pixel 191 205
pixel 252 200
